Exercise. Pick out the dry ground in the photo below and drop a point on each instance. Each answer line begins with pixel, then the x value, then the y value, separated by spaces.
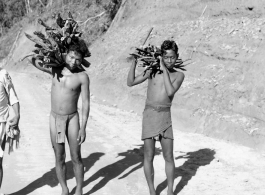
pixel 112 155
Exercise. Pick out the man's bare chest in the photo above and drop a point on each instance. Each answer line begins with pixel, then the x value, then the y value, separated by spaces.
pixel 158 80
pixel 68 82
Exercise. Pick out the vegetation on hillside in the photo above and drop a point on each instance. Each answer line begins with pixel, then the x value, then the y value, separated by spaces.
pixel 94 17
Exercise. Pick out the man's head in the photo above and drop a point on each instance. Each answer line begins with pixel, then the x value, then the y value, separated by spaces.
pixel 169 53
pixel 74 57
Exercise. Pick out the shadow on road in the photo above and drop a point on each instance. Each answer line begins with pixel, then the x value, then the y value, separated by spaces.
pixel 50 178
pixel 131 158
pixel 194 161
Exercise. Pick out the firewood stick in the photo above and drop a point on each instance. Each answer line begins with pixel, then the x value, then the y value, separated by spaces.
pixel 26 56
pixel 203 11
pixel 149 32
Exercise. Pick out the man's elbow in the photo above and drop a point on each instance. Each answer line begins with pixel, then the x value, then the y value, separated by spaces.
pixel 171 93
pixel 129 83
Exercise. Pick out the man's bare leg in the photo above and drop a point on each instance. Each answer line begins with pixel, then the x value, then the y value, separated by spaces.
pixel 75 150
pixel 149 153
pixel 167 148
pixel 59 151
pixel 1 171
pixel 1 161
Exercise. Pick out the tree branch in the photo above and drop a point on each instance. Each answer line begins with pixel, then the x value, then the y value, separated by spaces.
pixel 41 3
pixel 93 17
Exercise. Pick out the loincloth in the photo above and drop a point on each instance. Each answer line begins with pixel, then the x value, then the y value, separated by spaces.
pixel 157 121
pixel 61 124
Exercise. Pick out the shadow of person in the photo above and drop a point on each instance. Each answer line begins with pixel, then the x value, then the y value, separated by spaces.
pixel 131 158
pixel 194 161
pixel 50 178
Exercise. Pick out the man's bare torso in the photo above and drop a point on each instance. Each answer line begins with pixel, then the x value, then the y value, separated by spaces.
pixel 156 91
pixel 65 91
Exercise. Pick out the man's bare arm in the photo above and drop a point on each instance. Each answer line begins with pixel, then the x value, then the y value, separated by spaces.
pixel 15 120
pixel 13 100
pixel 178 81
pixel 171 87
pixel 85 94
pixel 39 65
pixel 132 80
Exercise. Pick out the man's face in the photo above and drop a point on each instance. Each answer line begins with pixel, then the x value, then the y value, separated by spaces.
pixel 73 59
pixel 169 58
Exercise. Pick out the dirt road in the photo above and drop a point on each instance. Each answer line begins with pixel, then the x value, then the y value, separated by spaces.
pixel 112 155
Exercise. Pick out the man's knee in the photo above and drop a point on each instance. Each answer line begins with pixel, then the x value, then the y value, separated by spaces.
pixel 76 159
pixel 60 158
pixel 168 157
pixel 149 155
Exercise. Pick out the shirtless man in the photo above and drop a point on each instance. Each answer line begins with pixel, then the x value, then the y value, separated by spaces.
pixel 68 82
pixel 157 117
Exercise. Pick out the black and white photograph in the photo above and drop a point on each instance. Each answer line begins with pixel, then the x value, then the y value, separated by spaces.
pixel 132 97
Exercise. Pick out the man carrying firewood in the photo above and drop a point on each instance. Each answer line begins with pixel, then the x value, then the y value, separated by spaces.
pixel 157 125
pixel 61 53
pixel 68 82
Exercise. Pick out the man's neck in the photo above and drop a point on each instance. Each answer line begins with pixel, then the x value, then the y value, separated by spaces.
pixel 66 71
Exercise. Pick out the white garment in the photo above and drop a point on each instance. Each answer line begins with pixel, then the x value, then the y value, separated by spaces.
pixel 8 95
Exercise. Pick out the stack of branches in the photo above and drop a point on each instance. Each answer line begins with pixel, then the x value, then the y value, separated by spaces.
pixel 50 48
pixel 147 57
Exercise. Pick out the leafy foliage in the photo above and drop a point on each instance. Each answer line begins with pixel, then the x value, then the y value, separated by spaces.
pixel 15 14
pixel 11 11
pixel 49 48
pixel 148 57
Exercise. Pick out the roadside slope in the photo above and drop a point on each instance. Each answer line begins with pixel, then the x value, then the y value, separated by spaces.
pixel 222 95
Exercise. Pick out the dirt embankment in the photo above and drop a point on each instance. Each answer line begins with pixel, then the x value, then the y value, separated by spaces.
pixel 222 95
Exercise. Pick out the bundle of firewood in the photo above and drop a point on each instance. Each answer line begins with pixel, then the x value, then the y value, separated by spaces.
pixel 147 57
pixel 51 46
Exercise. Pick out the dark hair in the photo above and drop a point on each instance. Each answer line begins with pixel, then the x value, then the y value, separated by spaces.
pixel 77 49
pixel 80 46
pixel 169 45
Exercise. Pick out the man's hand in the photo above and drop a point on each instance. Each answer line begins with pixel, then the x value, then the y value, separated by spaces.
pixel 162 65
pixel 14 121
pixel 81 136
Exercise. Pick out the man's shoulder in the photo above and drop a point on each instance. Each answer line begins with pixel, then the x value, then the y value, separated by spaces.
pixel 83 76
pixel 3 71
pixel 4 74
pixel 178 74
